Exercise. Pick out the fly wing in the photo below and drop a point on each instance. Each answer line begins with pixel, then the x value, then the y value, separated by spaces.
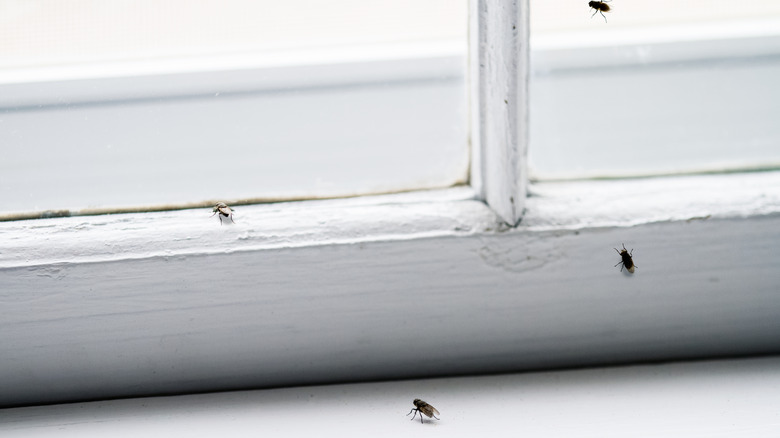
pixel 429 410
pixel 225 210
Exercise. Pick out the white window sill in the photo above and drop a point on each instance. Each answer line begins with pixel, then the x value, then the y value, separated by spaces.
pixel 382 288
pixel 714 399
pixel 188 233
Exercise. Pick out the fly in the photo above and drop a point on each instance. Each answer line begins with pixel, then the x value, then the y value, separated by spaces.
pixel 224 211
pixel 626 259
pixel 600 7
pixel 423 408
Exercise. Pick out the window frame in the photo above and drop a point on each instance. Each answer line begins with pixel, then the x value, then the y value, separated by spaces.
pixel 396 286
pixel 171 96
pixel 642 73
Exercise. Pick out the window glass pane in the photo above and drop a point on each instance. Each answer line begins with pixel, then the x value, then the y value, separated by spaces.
pixel 654 87
pixel 156 102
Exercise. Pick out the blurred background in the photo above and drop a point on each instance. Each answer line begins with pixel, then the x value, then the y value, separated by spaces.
pixel 147 103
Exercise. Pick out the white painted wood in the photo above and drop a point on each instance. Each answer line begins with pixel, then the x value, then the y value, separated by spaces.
pixel 174 302
pixel 628 203
pixel 725 398
pixel 655 101
pixel 390 287
pixel 182 233
pixel 379 126
pixel 475 90
pixel 653 48
pixel 231 74
pixel 499 108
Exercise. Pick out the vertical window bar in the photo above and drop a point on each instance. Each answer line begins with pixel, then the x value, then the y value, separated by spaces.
pixel 499 58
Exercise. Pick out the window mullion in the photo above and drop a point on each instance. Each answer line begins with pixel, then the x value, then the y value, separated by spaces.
pixel 499 65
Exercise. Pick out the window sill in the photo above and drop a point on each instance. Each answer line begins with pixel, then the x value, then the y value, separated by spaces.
pixel 575 205
pixel 720 398
pixel 188 233
pixel 377 288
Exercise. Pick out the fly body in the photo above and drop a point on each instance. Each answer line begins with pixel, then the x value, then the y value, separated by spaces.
pixel 626 259
pixel 600 7
pixel 422 407
pixel 224 212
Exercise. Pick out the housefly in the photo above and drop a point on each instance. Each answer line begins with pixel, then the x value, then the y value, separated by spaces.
pixel 626 259
pixel 423 408
pixel 224 212
pixel 600 7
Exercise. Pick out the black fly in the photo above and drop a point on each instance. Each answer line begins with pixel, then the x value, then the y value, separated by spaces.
pixel 600 7
pixel 626 259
